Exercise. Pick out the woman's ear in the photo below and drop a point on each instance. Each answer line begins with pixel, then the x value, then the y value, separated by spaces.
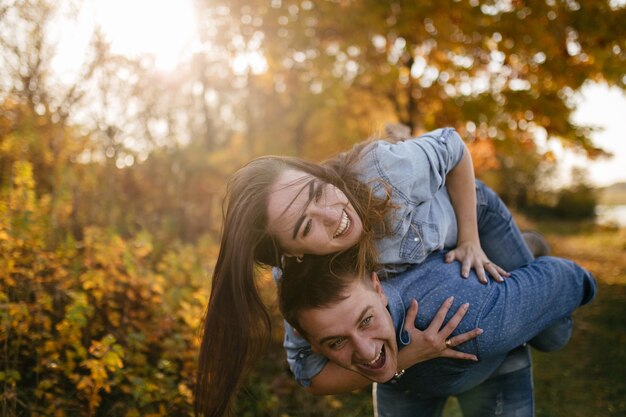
pixel 298 257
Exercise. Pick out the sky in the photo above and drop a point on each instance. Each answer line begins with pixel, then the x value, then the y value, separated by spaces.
pixel 166 30
pixel 604 107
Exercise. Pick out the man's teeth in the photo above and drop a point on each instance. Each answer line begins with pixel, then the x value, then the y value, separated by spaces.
pixel 373 361
pixel 378 361
pixel 343 225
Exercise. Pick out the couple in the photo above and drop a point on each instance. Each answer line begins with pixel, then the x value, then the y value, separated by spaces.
pixel 397 204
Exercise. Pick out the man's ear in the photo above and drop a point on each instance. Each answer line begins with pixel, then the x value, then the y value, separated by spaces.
pixel 378 288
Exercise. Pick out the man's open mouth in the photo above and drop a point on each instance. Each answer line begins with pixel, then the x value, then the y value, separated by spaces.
pixel 378 362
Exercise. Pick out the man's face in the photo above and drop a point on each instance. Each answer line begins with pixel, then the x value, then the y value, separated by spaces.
pixel 356 333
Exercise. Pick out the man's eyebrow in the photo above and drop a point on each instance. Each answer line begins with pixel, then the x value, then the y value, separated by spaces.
pixel 358 321
pixel 296 227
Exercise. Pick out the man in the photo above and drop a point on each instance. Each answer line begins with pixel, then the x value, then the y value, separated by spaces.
pixel 356 321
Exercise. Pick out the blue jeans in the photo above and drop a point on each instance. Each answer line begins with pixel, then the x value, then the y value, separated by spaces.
pixel 503 243
pixel 507 394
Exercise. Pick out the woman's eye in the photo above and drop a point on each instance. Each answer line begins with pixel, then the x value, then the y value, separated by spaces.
pixel 319 192
pixel 307 228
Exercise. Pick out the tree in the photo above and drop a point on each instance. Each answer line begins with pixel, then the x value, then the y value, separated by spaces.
pixel 502 72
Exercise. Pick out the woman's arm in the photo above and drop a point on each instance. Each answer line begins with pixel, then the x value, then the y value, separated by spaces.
pixel 462 191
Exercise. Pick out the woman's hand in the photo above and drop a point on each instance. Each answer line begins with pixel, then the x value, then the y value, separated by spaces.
pixel 435 341
pixel 471 256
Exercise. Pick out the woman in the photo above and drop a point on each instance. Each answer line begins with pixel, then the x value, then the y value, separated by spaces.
pixel 397 202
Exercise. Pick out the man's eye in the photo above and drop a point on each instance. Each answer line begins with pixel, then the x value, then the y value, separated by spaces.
pixel 307 228
pixel 338 343
pixel 367 321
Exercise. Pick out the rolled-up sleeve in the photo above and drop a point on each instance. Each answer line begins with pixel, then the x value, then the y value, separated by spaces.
pixel 303 362
pixel 417 168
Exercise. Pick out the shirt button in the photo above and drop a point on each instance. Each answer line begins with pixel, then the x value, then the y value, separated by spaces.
pixel 416 239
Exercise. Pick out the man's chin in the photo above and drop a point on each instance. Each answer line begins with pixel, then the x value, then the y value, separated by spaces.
pixel 379 377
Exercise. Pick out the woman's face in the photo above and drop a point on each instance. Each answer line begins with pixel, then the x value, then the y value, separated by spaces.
pixel 309 216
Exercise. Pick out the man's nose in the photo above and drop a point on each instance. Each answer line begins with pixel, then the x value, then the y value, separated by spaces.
pixel 365 349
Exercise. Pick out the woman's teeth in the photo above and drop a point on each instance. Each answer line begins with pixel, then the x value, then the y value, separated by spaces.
pixel 344 224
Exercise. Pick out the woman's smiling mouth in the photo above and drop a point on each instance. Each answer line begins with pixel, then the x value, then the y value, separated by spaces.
pixel 344 225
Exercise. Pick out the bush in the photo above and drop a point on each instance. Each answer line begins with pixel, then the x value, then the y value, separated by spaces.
pixel 576 203
pixel 94 327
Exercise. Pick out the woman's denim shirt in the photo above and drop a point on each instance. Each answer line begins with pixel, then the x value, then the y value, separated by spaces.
pixel 422 222
pixel 423 219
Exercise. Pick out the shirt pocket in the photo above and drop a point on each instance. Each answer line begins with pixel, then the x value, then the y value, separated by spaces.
pixel 419 241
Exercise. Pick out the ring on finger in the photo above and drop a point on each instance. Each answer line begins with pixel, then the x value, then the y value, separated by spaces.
pixel 449 343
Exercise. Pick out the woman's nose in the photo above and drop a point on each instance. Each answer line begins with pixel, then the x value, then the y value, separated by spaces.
pixel 326 214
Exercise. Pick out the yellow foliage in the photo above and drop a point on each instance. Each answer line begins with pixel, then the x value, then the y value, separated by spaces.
pixel 96 323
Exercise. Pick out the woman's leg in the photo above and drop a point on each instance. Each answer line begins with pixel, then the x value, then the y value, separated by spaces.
pixel 504 244
pixel 500 237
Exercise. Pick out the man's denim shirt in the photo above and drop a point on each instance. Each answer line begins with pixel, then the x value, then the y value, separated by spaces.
pixel 510 314
pixel 423 220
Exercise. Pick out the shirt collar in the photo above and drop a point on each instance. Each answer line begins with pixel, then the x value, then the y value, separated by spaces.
pixel 395 306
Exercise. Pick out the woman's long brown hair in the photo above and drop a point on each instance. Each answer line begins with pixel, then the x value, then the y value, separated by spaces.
pixel 237 325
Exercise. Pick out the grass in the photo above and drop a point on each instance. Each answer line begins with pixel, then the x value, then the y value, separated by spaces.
pixel 588 377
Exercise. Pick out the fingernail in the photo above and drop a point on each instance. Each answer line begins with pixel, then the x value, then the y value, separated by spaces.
pixel 480 331
pixel 466 306
pixel 500 279
pixel 450 299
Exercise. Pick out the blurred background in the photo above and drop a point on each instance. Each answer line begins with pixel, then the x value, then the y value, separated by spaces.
pixel 120 122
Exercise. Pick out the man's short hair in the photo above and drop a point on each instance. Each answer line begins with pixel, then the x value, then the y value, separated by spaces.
pixel 315 281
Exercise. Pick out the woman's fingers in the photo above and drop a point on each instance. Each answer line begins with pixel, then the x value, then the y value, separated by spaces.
pixel 441 315
pixel 502 272
pixel 494 271
pixel 449 353
pixel 464 337
pixel 454 321
pixel 411 315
